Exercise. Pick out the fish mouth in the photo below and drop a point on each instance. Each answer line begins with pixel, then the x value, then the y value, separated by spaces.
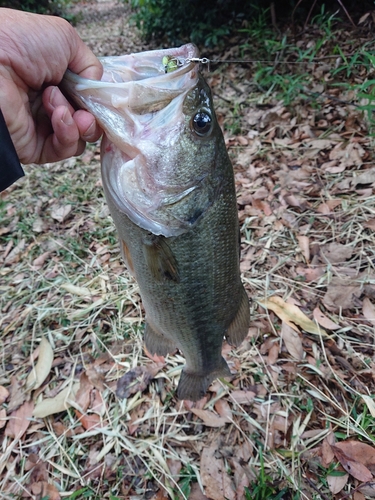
pixel 139 105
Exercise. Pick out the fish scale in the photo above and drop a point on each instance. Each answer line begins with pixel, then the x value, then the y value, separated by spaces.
pixel 170 189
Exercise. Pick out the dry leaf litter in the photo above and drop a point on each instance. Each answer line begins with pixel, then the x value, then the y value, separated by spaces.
pixel 87 413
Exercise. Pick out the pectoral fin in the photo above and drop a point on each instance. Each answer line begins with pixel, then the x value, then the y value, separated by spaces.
pixel 160 259
pixel 125 252
pixel 193 386
pixel 157 343
pixel 239 327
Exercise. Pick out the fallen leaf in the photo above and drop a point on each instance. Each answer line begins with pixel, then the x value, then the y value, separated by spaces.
pixel 40 371
pixel 223 409
pixel 369 403
pixel 174 467
pixel 324 321
pixel 39 261
pixel 368 489
pixel 370 224
pixel 61 402
pixel 89 420
pixel 210 418
pixel 341 293
pixel 75 290
pixel 83 395
pixel 368 310
pixel 337 483
pixel 357 495
pixel 327 453
pixel 336 253
pixel 215 479
pixel 43 490
pixel 358 451
pixel 291 314
pixel 17 394
pixel 242 397
pixel 292 341
pixel 304 244
pixel 19 420
pixel 4 394
pixel 355 469
pixel 60 212
pixel 196 493
pixel 3 418
pixel 136 379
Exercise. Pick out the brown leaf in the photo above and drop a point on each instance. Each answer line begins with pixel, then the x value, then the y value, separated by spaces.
pixel 336 253
pixel 136 379
pixel 43 489
pixel 196 493
pixel 223 409
pixel 210 418
pixel 370 224
pixel 39 261
pixel 242 397
pixel 89 421
pixel 355 469
pixel 17 394
pixel 358 451
pixel 310 274
pixel 341 293
pixel 324 321
pixel 368 489
pixel 215 479
pixel 19 420
pixel 357 495
pixel 174 467
pixel 4 394
pixel 337 483
pixel 82 397
pixel 368 310
pixel 304 244
pixel 292 341
pixel 326 452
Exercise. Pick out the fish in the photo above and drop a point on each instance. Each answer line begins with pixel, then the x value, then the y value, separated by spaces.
pixel 169 185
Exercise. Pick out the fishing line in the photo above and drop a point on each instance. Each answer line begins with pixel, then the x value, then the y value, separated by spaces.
pixel 172 63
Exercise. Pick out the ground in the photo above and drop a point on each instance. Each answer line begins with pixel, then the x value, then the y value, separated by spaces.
pixel 296 419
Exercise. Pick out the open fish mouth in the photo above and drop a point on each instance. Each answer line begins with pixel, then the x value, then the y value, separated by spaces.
pixel 139 103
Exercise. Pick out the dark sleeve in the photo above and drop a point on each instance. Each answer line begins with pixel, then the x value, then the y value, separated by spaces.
pixel 10 167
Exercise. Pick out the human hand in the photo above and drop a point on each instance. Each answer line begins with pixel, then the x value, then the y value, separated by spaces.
pixel 35 51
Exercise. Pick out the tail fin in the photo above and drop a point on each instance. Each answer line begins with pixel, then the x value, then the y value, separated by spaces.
pixel 239 327
pixel 193 386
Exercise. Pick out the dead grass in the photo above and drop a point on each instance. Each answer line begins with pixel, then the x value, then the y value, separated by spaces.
pixel 305 184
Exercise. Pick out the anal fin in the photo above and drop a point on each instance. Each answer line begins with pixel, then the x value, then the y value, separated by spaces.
pixel 157 343
pixel 239 327
pixel 193 386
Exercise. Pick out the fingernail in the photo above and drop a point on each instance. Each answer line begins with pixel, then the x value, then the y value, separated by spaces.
pixel 67 118
pixel 52 96
pixel 89 132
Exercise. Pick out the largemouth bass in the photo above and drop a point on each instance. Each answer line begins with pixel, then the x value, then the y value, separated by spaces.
pixel 169 185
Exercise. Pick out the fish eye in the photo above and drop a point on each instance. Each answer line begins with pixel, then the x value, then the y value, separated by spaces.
pixel 202 123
